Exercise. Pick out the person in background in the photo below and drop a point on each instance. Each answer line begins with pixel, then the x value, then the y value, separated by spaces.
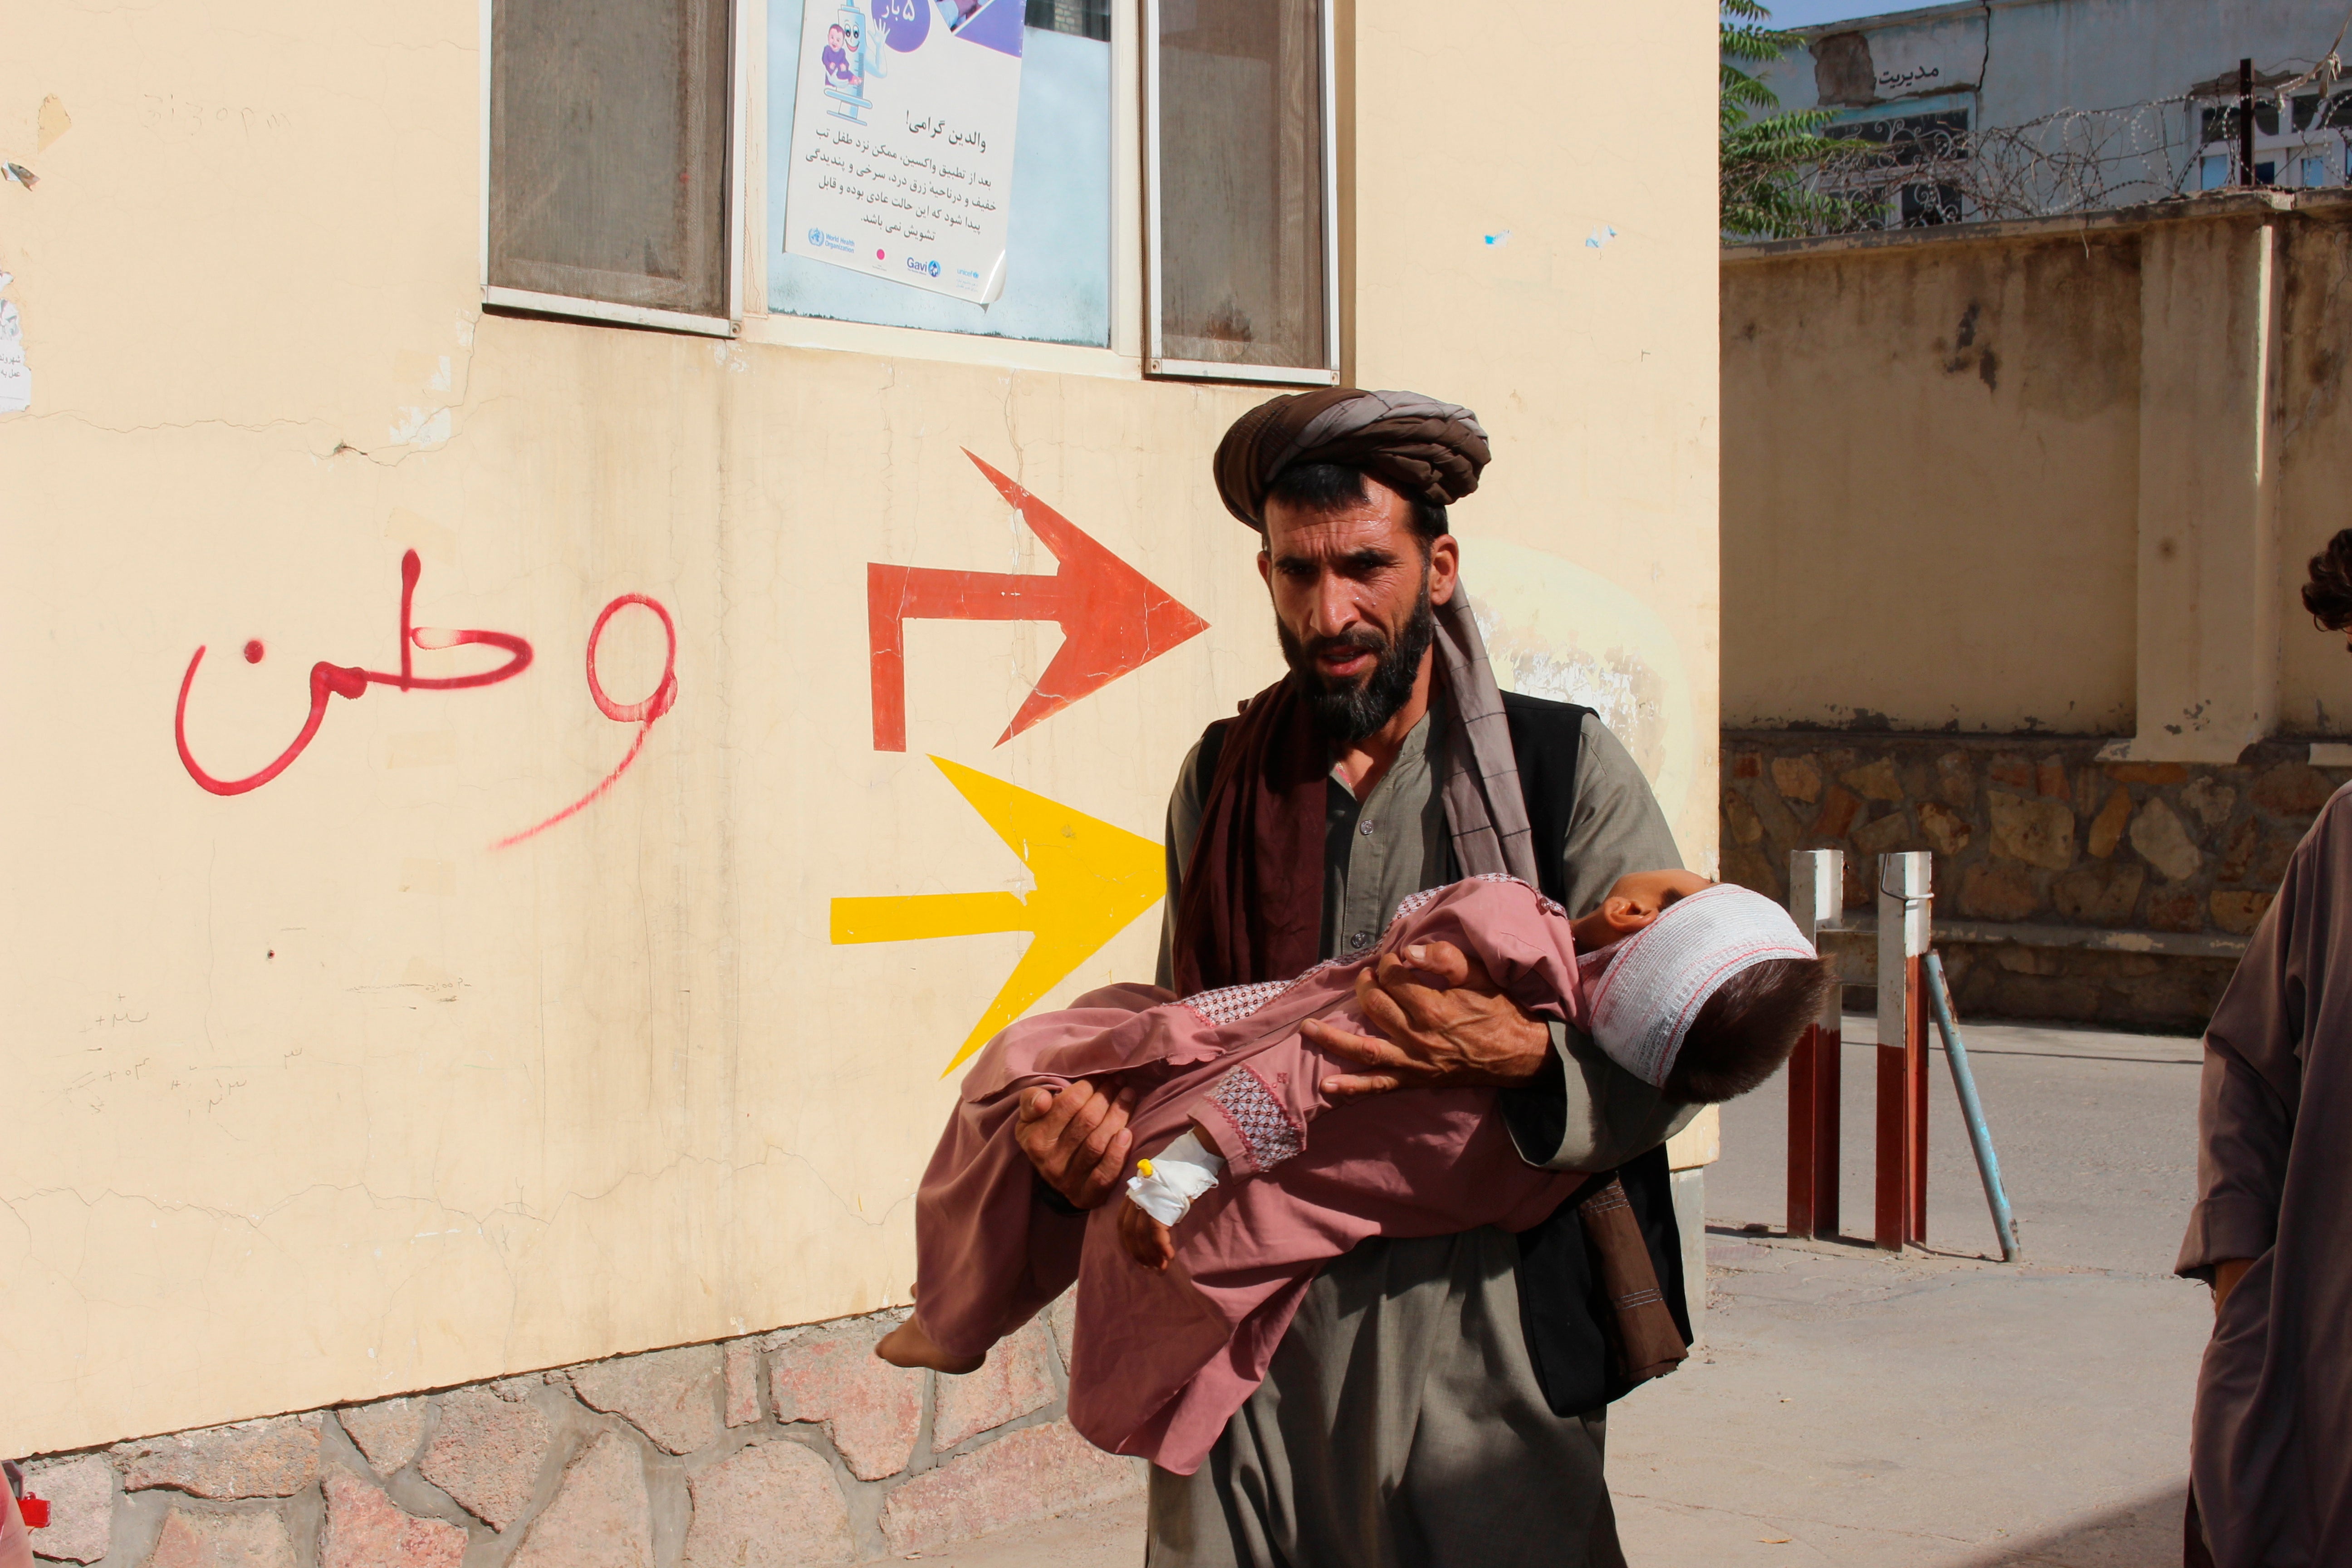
pixel 2271 1443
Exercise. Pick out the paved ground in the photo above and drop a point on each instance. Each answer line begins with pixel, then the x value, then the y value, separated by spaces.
pixel 1938 1408
pixel 1941 1408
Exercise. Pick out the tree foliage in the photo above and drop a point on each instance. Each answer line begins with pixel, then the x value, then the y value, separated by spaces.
pixel 1765 149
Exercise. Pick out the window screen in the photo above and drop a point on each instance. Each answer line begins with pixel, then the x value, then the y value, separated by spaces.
pixel 1241 240
pixel 608 150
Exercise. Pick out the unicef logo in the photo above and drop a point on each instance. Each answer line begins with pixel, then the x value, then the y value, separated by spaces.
pixel 935 269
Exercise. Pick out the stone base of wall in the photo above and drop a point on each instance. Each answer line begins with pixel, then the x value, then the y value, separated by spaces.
pixel 2060 862
pixel 2157 993
pixel 797 1446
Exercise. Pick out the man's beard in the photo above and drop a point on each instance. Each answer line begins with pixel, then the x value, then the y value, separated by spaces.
pixel 1348 711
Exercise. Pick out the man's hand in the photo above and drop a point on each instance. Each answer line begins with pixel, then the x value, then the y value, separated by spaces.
pixel 1146 1240
pixel 1446 1027
pixel 1076 1139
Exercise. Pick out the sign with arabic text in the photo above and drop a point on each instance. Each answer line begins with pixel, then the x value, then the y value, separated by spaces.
pixel 901 156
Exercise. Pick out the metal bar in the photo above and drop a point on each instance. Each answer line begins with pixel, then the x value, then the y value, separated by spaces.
pixel 1904 882
pixel 2246 123
pixel 1828 1103
pixel 1915 1073
pixel 1804 1199
pixel 1817 903
pixel 1964 1082
pixel 1893 1208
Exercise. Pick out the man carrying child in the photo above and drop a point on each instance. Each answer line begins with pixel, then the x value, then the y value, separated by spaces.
pixel 1403 1419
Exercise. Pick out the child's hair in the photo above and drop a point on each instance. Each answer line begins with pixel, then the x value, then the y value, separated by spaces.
pixel 1747 1029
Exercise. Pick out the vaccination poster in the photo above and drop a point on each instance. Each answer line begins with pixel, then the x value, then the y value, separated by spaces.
pixel 902 140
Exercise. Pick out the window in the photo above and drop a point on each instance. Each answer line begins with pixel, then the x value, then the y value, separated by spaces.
pixel 1916 138
pixel 1080 18
pixel 1906 177
pixel 1241 186
pixel 1923 205
pixel 2212 172
pixel 1043 70
pixel 608 171
pixel 2220 123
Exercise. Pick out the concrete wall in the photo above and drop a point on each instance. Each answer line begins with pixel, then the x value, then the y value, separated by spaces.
pixel 322 1095
pixel 2046 477
pixel 1929 495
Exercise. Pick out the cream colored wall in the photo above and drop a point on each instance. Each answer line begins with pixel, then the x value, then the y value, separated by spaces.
pixel 2091 517
pixel 1920 530
pixel 1591 363
pixel 314 1094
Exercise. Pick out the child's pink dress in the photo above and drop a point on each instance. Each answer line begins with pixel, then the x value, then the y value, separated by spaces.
pixel 1165 1359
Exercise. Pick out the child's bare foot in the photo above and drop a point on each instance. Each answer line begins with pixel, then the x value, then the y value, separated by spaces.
pixel 908 1345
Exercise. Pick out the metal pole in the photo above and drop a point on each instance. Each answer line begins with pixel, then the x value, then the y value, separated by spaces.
pixel 1905 895
pixel 2246 123
pixel 1939 997
pixel 1817 903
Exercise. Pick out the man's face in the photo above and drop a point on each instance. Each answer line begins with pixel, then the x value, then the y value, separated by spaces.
pixel 1353 594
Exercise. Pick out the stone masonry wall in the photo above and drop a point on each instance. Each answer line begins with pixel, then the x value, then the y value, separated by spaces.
pixel 790 1448
pixel 2056 864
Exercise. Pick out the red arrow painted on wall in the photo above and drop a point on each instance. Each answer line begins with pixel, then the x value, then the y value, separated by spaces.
pixel 1114 619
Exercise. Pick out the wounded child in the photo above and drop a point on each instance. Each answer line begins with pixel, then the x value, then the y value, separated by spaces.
pixel 1254 1177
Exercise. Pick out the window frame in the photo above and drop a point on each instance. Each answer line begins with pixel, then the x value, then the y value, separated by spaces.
pixel 1156 363
pixel 577 307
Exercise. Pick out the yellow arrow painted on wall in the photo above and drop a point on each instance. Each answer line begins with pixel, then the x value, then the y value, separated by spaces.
pixel 1092 880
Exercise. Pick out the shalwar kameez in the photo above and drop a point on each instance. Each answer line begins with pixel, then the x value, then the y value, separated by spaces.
pixel 2271 1450
pixel 1404 1421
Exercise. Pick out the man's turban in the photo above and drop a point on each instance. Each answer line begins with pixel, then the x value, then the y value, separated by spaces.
pixel 1422 449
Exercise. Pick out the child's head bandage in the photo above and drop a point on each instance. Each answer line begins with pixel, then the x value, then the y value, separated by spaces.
pixel 1661 976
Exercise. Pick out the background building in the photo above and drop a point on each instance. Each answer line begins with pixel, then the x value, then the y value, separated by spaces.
pixel 373 1037
pixel 2024 108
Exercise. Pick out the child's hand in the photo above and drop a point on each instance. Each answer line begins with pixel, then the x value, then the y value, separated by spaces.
pixel 1146 1240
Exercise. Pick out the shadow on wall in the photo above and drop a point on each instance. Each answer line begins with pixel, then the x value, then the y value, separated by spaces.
pixel 2131 1536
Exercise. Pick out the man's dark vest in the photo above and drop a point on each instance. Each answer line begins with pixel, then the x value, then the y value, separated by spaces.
pixel 1561 1301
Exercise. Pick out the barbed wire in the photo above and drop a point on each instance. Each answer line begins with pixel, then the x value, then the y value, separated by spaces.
pixel 1933 167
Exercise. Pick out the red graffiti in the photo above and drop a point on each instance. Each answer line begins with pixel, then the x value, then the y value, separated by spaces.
pixel 350 681
pixel 1113 618
pixel 642 714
